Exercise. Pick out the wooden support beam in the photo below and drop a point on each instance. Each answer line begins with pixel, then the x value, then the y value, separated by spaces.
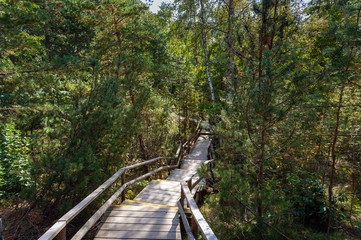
pixel 182 197
pixel 194 227
pixel 123 182
pixel 62 234
pixel 189 185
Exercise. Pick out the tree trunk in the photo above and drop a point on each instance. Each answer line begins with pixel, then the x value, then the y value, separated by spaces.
pixel 206 59
pixel 46 30
pixel 333 157
pixel 230 47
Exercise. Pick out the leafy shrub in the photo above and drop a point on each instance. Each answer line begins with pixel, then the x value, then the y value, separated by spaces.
pixel 309 199
pixel 14 161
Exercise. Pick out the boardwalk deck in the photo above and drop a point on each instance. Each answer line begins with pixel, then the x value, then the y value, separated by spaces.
pixel 153 213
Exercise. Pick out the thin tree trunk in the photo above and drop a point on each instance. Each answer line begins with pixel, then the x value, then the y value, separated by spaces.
pixel 333 156
pixel 206 59
pixel 260 181
pixel 195 50
pixel 230 47
pixel 333 147
pixel 46 30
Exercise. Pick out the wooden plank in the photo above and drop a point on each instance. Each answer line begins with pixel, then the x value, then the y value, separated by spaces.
pixel 190 160
pixel 143 204
pixel 182 172
pixel 166 181
pixel 169 189
pixel 163 221
pixel 143 227
pixel 180 175
pixel 157 214
pixel 136 234
pixel 163 194
pixel 178 237
pixel 173 187
pixel 142 208
pixel 200 149
pixel 169 202
pixel 128 238
pixel 191 166
pixel 160 199
pixel 159 191
pixel 198 217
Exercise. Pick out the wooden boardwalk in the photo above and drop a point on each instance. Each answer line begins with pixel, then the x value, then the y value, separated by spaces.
pixel 153 213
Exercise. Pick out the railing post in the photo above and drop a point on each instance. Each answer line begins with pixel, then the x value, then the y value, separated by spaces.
pixel 160 165
pixel 182 198
pixel 180 156
pixel 62 234
pixel 123 182
pixel 169 162
pixel 189 183
pixel 194 227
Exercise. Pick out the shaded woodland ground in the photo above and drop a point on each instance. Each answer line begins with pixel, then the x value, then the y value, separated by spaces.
pixel 87 87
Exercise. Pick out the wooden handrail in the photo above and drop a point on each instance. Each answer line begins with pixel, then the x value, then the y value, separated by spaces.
pixel 58 229
pixel 185 221
pixel 198 220
pixel 197 217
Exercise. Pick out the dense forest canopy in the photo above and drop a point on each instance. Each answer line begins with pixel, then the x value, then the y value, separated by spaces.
pixel 89 86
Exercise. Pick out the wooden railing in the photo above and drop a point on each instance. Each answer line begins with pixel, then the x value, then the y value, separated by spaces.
pixel 197 219
pixel 58 230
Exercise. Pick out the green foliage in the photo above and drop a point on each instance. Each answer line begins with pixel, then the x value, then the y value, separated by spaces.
pixel 88 83
pixel 97 85
pixel 308 198
pixel 14 162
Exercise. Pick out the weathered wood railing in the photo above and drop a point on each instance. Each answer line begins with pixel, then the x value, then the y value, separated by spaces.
pixel 197 219
pixel 58 230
